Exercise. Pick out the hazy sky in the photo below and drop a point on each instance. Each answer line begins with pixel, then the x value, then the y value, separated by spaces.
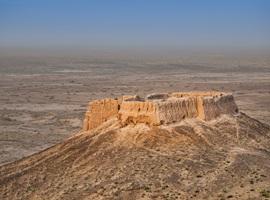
pixel 138 23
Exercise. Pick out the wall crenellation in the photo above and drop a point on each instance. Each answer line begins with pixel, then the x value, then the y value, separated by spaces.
pixel 158 109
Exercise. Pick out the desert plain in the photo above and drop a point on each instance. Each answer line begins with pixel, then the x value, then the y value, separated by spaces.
pixel 43 98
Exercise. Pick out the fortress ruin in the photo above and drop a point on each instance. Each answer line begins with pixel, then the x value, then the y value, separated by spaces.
pixel 158 109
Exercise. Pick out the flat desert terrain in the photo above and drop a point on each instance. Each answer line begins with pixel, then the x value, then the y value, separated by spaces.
pixel 43 98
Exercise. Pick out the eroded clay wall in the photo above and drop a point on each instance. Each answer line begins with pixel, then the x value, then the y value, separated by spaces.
pixel 138 112
pixel 214 107
pixel 197 94
pixel 100 111
pixel 210 105
pixel 160 109
pixel 177 109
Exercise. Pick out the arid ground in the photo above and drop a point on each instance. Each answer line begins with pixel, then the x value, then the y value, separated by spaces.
pixel 43 98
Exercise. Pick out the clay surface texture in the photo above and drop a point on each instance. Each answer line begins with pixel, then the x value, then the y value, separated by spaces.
pixel 159 109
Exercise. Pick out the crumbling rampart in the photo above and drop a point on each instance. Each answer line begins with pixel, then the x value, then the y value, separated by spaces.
pixel 158 109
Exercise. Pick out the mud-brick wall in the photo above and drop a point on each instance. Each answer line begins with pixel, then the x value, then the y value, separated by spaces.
pixel 157 112
pixel 175 110
pixel 100 111
pixel 216 106
pixel 138 112
pixel 201 107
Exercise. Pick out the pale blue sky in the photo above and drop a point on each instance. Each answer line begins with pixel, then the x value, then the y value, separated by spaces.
pixel 138 23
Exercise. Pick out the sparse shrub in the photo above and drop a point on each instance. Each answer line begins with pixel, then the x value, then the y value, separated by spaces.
pixel 265 193
pixel 165 187
pixel 30 189
pixel 147 189
pixel 7 119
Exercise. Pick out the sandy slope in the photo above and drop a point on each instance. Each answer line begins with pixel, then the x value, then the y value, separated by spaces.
pixel 225 158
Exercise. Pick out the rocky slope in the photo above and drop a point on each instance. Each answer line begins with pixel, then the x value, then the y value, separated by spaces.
pixel 227 157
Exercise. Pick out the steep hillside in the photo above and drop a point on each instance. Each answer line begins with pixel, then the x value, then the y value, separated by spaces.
pixel 225 157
